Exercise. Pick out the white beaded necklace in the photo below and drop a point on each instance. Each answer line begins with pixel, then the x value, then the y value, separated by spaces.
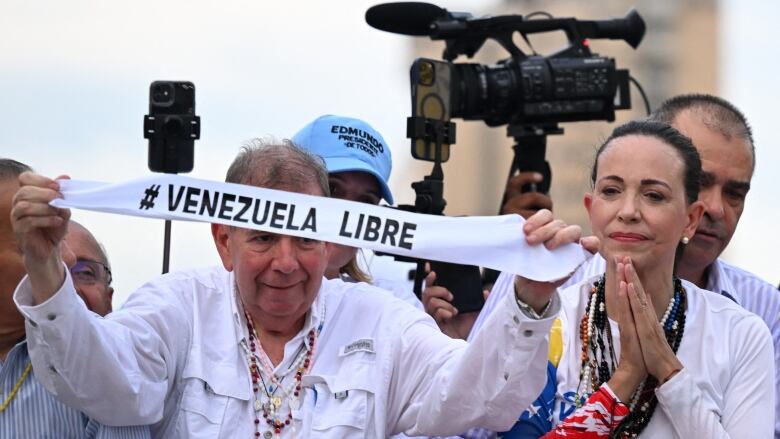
pixel 265 398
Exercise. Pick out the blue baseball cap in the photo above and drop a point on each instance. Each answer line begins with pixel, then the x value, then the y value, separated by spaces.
pixel 348 144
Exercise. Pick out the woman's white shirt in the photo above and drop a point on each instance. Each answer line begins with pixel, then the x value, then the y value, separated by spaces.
pixel 726 388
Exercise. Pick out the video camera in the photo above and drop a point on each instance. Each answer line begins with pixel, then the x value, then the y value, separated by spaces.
pixel 529 93
pixel 572 84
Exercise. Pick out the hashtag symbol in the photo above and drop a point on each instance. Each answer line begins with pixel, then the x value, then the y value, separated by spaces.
pixel 149 195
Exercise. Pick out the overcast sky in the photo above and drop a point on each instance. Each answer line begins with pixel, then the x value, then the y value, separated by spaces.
pixel 74 78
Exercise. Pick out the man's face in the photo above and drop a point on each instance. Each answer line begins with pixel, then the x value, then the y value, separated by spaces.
pixel 277 276
pixel 90 276
pixel 727 165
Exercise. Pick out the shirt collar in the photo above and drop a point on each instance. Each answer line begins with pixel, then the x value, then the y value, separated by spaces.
pixel 239 320
pixel 718 282
pixel 313 320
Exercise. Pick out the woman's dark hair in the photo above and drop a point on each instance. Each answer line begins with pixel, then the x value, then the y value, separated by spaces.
pixel 670 136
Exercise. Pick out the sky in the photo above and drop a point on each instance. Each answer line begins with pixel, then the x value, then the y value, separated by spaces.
pixel 74 78
pixel 748 78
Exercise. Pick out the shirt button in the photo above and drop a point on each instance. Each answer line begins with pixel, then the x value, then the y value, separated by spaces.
pixel 506 376
pixel 528 333
pixel 516 319
pixel 51 316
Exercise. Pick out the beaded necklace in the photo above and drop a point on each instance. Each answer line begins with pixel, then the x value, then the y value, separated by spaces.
pixel 598 356
pixel 271 409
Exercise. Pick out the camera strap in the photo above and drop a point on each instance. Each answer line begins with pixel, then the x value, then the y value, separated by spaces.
pixel 495 242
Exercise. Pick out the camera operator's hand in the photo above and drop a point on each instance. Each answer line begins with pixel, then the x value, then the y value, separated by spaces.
pixel 437 302
pixel 542 228
pixel 524 204
pixel 40 229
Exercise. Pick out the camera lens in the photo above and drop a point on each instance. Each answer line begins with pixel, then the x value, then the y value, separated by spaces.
pixel 482 92
pixel 162 93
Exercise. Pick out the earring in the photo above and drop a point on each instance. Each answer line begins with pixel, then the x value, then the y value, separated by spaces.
pixel 685 240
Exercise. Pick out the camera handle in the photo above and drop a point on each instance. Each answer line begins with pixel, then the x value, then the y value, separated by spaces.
pixel 530 149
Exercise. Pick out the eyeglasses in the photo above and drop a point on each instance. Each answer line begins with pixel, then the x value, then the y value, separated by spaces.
pixel 90 272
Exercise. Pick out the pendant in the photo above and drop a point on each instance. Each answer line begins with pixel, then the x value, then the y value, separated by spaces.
pixel 268 435
pixel 277 402
pixel 258 405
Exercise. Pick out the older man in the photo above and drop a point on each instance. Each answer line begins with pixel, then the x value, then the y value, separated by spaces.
pixel 28 410
pixel 263 346
pixel 91 272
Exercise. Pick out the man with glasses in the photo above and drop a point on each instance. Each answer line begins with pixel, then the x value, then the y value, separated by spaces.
pixel 91 272
pixel 27 410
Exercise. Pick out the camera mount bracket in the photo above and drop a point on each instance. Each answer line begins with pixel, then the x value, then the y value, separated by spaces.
pixel 428 129
pixel 178 125
pixel 430 191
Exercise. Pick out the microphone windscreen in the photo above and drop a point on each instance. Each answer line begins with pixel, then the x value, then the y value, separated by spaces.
pixel 407 18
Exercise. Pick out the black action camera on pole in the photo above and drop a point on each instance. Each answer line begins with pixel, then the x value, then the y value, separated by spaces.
pixel 172 128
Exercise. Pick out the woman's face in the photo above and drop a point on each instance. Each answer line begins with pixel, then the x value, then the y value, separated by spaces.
pixel 638 204
pixel 352 186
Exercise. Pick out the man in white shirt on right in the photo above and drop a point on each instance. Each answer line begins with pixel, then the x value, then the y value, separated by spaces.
pixel 724 140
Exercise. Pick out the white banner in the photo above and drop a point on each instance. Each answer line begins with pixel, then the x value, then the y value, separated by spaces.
pixel 496 242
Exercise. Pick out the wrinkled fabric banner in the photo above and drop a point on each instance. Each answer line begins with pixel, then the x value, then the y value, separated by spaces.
pixel 496 242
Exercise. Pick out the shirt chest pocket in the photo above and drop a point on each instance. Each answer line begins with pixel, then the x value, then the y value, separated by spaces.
pixel 343 405
pixel 202 410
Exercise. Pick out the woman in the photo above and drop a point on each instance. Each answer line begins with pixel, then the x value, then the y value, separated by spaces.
pixel 645 354
pixel 359 163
